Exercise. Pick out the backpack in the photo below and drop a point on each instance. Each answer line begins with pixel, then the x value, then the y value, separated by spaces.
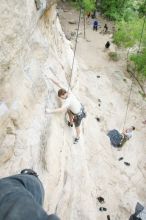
pixel 115 137
pixel 140 213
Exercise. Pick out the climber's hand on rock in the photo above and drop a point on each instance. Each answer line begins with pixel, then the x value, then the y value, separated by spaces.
pixel 49 111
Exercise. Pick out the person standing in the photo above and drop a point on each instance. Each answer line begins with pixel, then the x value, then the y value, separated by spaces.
pixel 95 25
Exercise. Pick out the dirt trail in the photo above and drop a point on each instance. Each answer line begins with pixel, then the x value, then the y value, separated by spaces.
pixel 121 186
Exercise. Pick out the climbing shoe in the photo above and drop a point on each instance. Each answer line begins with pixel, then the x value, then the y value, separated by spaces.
pixel 127 164
pixel 121 158
pixel 69 124
pixel 98 119
pixel 29 172
pixel 76 140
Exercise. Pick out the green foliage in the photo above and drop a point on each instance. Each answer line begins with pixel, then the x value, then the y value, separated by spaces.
pixel 122 9
pixel 142 7
pixel 87 5
pixel 129 14
pixel 114 9
pixel 128 33
pixel 140 61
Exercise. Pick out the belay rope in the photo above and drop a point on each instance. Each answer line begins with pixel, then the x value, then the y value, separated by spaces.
pixel 76 41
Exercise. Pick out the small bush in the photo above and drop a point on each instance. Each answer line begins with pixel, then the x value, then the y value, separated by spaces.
pixel 140 61
pixel 128 33
pixel 113 56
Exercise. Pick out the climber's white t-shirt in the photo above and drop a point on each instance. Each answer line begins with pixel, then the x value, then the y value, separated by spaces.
pixel 72 103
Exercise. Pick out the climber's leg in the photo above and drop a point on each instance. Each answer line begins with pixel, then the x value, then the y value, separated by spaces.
pixel 78 132
pixel 71 118
pixel 77 122
pixel 77 138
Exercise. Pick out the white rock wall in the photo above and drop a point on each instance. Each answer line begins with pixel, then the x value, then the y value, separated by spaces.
pixel 32 45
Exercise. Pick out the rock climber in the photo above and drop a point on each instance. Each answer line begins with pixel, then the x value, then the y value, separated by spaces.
pixel 73 107
pixel 21 197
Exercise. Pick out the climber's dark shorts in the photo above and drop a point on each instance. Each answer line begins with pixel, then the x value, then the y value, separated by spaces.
pixel 78 117
pixel 77 121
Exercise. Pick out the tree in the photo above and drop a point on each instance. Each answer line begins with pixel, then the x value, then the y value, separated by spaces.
pixel 114 9
pixel 142 7
pixel 87 5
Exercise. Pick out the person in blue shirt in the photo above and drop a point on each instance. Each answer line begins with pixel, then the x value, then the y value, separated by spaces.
pixel 95 25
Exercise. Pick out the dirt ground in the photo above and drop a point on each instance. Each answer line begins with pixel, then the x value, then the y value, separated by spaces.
pixel 104 90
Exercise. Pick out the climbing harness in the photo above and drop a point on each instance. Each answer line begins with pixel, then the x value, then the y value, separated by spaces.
pixel 82 114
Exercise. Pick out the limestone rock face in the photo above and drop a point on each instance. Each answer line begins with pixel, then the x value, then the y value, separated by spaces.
pixel 33 47
pixel 30 48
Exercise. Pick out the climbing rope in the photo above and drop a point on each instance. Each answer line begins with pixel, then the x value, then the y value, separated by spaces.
pixel 76 41
pixel 133 75
pixel 128 102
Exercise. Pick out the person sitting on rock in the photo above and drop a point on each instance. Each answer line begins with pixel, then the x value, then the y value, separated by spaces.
pixel 118 139
pixel 73 107
pixel 107 45
pixel 22 196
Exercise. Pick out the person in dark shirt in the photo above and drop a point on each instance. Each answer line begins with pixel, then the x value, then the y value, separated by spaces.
pixel 21 198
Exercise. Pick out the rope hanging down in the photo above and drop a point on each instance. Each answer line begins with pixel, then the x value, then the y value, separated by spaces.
pixel 76 41
pixel 133 75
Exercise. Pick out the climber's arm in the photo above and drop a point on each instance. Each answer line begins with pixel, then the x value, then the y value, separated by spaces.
pixel 62 109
